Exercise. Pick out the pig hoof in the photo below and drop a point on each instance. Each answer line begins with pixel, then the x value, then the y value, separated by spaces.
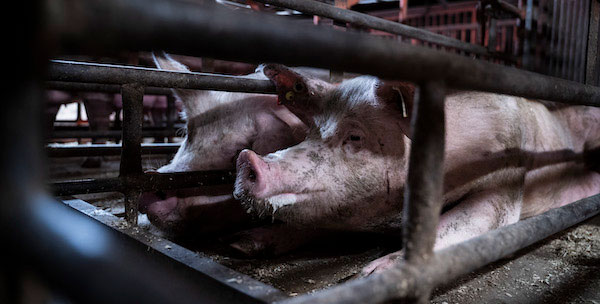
pixel 381 264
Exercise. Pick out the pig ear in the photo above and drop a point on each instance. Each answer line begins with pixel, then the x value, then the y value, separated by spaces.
pixel 302 95
pixel 188 97
pixel 401 96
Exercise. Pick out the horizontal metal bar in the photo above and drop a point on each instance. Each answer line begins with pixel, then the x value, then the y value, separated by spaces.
pixel 178 26
pixel 92 263
pixel 194 260
pixel 448 264
pixel 110 134
pixel 72 71
pixel 99 87
pixel 106 150
pixel 144 182
pixel 329 11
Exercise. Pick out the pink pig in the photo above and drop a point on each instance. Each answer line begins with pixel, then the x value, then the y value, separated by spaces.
pixel 507 158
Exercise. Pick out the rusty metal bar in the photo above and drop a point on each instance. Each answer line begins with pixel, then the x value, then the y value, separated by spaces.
pixel 452 262
pixel 107 150
pixel 144 182
pixel 592 62
pixel 131 152
pixel 423 195
pixel 223 32
pixel 424 186
pixel 99 87
pixel 329 11
pixel 110 133
pixel 71 71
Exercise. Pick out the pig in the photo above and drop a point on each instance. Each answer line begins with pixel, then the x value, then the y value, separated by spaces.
pixel 506 158
pixel 219 126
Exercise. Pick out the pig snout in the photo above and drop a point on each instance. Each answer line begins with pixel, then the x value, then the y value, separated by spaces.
pixel 252 175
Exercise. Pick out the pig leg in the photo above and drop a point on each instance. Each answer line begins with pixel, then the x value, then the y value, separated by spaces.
pixel 98 112
pixel 272 240
pixel 473 216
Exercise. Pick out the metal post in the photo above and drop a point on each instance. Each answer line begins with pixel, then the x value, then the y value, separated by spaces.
pixel 592 62
pixel 131 153
pixel 527 63
pixel 423 192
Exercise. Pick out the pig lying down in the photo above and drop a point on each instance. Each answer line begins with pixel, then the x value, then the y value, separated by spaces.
pixel 507 158
pixel 219 126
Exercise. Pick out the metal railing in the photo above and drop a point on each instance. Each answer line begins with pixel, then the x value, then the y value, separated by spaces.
pixel 183 27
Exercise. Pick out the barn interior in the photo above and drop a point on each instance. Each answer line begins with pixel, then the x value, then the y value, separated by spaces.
pixel 105 118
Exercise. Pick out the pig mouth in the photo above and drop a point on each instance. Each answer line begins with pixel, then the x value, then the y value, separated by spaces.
pixel 269 205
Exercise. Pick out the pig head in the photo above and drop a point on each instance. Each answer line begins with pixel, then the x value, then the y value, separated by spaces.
pixel 349 171
pixel 219 126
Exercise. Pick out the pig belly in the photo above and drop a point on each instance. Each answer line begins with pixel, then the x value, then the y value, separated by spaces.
pixel 558 185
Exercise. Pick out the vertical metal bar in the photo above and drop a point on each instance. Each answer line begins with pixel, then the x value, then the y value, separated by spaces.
pixel 170 112
pixel 553 34
pixel 527 62
pixel 572 39
pixel 567 39
pixel 561 35
pixel 492 41
pixel 581 35
pixel 423 193
pixel 131 153
pixel 592 65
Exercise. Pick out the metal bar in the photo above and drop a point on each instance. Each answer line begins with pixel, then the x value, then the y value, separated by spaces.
pixel 583 36
pixel 145 182
pixel 567 38
pixel 423 195
pixel 224 32
pixel 107 150
pixel 72 71
pixel 195 261
pixel 572 38
pixel 592 65
pixel 553 37
pixel 99 87
pixel 527 61
pixel 110 134
pixel 131 152
pixel 561 37
pixel 312 7
pixel 454 261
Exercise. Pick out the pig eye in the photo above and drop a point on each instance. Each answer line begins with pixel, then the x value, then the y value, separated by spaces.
pixel 298 87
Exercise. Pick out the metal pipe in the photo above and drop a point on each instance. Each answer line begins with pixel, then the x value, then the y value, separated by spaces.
pixel 144 182
pixel 452 262
pixel 223 33
pixel 347 16
pixel 592 62
pixel 99 87
pixel 110 134
pixel 423 195
pixel 107 150
pixel 131 152
pixel 71 71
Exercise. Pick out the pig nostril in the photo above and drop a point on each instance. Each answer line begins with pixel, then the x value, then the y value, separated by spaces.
pixel 252 175
pixel 161 194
